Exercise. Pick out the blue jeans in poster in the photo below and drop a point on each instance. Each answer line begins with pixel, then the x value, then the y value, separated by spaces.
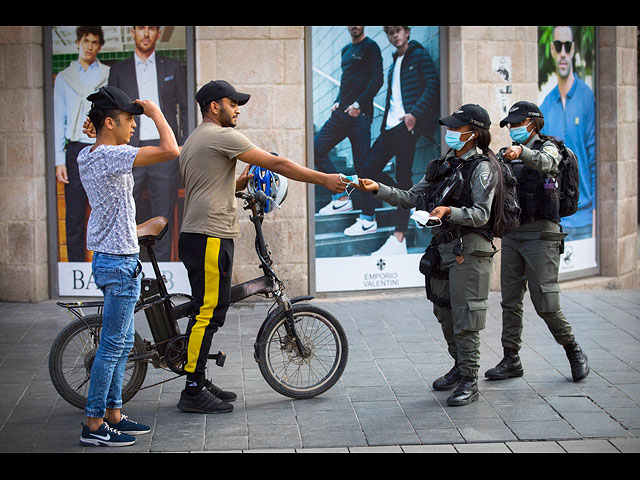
pixel 339 126
pixel 118 277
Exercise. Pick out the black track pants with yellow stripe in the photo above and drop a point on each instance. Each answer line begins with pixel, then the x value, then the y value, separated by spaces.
pixel 209 262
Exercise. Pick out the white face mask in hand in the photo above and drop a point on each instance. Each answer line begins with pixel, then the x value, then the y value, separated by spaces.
pixel 425 220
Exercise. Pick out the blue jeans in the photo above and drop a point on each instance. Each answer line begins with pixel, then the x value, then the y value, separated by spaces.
pixel 118 277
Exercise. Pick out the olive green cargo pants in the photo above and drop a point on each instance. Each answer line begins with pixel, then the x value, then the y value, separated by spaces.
pixel 532 259
pixel 467 289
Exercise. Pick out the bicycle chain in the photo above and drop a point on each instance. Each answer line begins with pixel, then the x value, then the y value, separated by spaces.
pixel 160 383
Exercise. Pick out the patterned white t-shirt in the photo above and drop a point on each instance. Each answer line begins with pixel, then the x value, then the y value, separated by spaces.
pixel 106 175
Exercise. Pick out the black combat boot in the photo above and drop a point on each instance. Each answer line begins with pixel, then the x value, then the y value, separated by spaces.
pixel 466 392
pixel 578 360
pixel 448 380
pixel 509 366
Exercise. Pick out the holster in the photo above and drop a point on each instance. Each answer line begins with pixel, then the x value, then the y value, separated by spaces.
pixel 430 260
pixel 430 268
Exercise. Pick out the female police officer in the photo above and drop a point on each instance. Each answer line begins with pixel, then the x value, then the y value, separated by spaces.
pixel 531 253
pixel 459 189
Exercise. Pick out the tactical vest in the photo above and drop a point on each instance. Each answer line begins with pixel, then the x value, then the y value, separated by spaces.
pixel 539 197
pixel 441 174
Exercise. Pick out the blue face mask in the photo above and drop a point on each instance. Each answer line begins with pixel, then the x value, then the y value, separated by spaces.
pixel 453 139
pixel 520 134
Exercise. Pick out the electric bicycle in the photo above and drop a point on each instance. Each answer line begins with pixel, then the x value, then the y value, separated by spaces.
pixel 301 349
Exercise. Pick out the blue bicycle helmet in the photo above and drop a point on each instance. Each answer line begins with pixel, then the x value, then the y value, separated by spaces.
pixel 273 185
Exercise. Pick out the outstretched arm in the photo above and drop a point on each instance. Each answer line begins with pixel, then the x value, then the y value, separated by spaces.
pixel 292 170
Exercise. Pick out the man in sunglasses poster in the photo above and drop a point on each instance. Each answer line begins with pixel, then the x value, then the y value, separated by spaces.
pixel 569 115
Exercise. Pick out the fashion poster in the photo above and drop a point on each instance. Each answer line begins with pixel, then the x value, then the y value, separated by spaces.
pixel 376 101
pixel 566 98
pixel 147 63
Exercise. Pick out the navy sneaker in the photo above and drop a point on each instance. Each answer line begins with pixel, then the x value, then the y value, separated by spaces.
pixel 105 435
pixel 128 426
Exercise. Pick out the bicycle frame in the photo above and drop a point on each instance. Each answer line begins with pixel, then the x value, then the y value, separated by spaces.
pixel 163 313
pixel 269 283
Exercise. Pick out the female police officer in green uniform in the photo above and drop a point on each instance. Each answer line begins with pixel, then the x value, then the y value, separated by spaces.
pixel 531 253
pixel 459 189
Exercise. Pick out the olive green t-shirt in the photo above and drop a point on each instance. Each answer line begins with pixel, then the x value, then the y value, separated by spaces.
pixel 208 168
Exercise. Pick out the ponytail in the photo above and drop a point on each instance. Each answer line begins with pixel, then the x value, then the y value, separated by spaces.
pixel 496 220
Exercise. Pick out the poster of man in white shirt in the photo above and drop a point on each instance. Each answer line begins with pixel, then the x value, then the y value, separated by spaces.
pixel 147 62
pixel 83 76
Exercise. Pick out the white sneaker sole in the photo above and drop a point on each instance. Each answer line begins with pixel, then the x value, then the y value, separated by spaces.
pixel 94 442
pixel 359 232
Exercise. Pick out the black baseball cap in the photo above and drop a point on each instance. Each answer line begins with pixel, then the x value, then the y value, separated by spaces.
pixel 113 97
pixel 469 114
pixel 519 111
pixel 217 89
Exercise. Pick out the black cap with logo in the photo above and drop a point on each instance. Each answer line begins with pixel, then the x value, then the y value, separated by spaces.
pixel 217 89
pixel 469 114
pixel 519 111
pixel 114 98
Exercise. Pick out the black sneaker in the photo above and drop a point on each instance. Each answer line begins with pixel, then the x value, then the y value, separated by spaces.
pixel 218 392
pixel 203 402
pixel 105 435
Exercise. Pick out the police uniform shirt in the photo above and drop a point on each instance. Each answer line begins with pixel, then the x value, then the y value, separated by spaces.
pixel 475 216
pixel 546 160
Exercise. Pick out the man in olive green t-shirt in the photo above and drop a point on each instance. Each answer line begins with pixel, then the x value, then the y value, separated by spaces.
pixel 208 165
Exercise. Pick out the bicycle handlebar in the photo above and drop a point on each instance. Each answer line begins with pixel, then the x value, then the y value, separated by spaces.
pixel 253 198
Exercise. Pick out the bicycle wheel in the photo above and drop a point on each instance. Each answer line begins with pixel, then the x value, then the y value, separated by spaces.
pixel 292 374
pixel 71 358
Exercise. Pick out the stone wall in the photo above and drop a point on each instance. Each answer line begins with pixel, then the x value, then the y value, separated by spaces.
pixel 618 157
pixel 23 210
pixel 268 62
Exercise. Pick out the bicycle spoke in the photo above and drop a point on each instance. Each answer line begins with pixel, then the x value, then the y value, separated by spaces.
pixel 291 368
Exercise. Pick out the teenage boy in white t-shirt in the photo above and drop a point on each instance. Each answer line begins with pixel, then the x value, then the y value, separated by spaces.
pixel 106 175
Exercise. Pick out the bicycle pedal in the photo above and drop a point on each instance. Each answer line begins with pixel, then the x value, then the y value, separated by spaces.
pixel 219 357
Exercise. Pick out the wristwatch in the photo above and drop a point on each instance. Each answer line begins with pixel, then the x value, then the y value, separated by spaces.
pixel 356 105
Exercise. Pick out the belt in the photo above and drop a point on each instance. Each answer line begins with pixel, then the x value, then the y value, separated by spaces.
pixel 449 235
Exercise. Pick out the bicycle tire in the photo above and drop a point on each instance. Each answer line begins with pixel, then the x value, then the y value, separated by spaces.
pixel 73 385
pixel 277 352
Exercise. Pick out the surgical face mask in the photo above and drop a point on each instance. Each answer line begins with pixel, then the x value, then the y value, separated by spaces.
pixel 520 134
pixel 351 180
pixel 453 139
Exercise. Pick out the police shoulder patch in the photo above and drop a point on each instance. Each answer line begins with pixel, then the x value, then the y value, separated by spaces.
pixel 551 150
pixel 485 179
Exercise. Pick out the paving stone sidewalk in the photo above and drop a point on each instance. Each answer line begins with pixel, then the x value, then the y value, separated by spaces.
pixel 384 401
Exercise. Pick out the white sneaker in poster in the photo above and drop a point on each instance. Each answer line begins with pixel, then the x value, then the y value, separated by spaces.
pixel 392 247
pixel 337 206
pixel 361 227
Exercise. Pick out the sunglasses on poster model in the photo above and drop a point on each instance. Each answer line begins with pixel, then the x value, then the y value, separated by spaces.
pixel 557 44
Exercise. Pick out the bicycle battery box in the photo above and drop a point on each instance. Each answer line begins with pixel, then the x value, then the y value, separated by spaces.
pixel 161 326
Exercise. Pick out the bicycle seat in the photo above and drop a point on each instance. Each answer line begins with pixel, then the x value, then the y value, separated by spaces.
pixel 152 230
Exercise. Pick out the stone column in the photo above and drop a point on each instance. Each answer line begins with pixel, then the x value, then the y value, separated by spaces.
pixel 268 63
pixel 618 156
pixel 23 216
